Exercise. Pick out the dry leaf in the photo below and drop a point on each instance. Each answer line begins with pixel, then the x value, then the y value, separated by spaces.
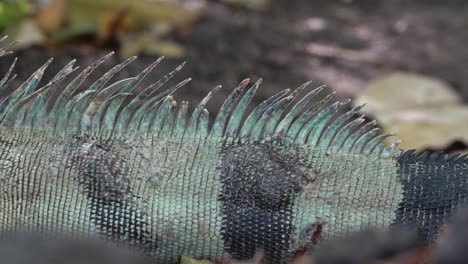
pixel 400 91
pixel 149 43
pixel 140 14
pixel 424 112
pixel 27 33
pixel 51 17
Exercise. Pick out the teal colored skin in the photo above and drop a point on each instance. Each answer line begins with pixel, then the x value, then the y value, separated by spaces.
pixel 173 185
pixel 128 164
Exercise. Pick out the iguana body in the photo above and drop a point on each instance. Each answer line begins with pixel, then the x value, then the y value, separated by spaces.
pixel 127 164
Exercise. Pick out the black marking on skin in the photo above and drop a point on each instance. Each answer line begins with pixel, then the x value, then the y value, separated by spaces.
pixel 433 188
pixel 114 207
pixel 259 185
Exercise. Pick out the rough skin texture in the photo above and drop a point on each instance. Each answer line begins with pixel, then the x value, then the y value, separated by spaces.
pixel 127 164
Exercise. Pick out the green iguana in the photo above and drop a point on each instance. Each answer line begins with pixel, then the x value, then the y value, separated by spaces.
pixel 130 165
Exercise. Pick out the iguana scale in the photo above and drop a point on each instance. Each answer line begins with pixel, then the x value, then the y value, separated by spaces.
pixel 128 164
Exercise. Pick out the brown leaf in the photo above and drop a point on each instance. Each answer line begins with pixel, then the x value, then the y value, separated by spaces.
pixel 51 17
pixel 424 112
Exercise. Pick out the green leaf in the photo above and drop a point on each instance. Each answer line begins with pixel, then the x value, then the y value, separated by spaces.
pixel 12 11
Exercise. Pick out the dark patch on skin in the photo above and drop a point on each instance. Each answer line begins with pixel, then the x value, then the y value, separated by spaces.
pixel 105 179
pixel 433 189
pixel 259 185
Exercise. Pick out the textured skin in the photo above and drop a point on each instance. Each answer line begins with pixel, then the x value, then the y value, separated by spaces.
pixel 143 173
pixel 434 186
pixel 172 197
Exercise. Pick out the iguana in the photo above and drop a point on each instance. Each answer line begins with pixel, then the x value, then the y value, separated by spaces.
pixel 128 164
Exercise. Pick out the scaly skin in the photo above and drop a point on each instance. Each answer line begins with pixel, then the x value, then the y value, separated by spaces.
pixel 189 196
pixel 127 164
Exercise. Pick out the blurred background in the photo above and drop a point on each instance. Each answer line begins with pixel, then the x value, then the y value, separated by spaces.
pixel 406 59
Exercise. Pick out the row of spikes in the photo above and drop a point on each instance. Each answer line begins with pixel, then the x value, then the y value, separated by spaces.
pixel 411 156
pixel 4 49
pixel 150 110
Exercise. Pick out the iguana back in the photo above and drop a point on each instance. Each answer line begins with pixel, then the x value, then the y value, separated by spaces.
pixel 128 164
